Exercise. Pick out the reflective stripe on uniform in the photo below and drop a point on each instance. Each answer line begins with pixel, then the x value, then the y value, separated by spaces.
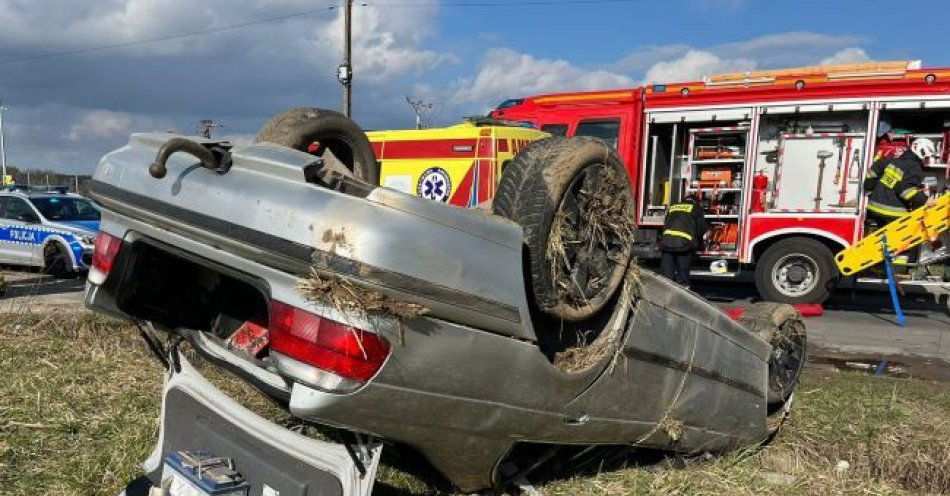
pixel 674 232
pixel 908 193
pixel 682 207
pixel 886 210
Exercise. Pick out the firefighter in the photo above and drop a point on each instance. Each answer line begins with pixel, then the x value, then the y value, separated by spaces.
pixel 683 231
pixel 893 183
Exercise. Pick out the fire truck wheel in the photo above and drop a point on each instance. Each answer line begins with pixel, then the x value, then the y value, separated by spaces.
pixel 298 128
pixel 572 197
pixel 796 270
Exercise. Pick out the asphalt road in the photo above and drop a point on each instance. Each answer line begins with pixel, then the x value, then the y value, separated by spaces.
pixel 31 291
pixel 859 327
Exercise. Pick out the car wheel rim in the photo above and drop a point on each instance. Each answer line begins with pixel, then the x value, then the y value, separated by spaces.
pixel 795 275
pixel 584 253
pixel 788 355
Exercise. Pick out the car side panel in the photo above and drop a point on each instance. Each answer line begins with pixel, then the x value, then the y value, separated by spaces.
pixel 20 241
pixel 681 363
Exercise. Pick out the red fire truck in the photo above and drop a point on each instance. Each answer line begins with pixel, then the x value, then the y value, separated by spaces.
pixel 777 157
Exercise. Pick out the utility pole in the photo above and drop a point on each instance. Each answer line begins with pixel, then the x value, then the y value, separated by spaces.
pixel 205 126
pixel 345 71
pixel 3 150
pixel 418 107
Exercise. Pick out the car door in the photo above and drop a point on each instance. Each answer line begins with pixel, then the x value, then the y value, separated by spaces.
pixel 20 237
pixel 5 243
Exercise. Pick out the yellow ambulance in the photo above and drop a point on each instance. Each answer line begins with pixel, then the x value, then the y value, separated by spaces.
pixel 459 165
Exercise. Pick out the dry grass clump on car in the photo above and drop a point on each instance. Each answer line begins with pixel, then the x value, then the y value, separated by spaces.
pixel 347 297
pixel 354 300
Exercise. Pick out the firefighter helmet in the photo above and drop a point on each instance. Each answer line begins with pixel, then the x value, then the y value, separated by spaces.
pixel 924 148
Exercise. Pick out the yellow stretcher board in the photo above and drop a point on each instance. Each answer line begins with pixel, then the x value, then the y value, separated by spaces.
pixel 923 224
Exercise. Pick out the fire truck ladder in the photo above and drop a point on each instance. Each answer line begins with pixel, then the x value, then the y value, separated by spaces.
pixel 923 224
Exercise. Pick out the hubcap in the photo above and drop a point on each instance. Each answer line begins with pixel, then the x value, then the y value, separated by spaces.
pixel 795 275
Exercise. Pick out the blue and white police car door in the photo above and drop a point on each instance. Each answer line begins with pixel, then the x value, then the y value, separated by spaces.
pixel 19 239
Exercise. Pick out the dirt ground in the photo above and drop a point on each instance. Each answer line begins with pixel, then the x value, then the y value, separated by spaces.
pixel 29 291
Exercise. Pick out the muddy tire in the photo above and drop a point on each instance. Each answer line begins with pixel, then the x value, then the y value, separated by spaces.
pixel 796 270
pixel 572 197
pixel 56 261
pixel 783 328
pixel 514 178
pixel 297 128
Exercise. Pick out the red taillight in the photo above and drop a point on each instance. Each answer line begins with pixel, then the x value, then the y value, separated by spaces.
pixel 105 251
pixel 326 344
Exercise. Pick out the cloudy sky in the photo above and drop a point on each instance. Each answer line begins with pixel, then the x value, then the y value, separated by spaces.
pixel 66 110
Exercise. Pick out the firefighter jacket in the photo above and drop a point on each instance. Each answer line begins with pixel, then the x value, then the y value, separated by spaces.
pixel 684 228
pixel 893 185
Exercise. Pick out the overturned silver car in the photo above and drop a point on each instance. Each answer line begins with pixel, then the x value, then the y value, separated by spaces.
pixel 463 335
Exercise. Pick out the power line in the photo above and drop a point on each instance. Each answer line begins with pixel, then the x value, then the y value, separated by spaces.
pixel 169 37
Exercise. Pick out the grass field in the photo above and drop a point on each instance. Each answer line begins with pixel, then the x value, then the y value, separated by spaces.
pixel 79 403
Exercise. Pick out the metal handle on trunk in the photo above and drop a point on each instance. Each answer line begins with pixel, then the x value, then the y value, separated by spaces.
pixel 174 145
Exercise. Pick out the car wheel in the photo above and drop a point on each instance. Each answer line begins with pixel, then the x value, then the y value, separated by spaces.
pixel 56 261
pixel 298 128
pixel 572 197
pixel 783 328
pixel 514 178
pixel 796 270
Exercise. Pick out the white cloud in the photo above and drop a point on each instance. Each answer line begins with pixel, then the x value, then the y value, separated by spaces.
pixel 386 42
pixel 693 66
pixel 238 77
pixel 505 73
pixel 846 56
pixel 786 49
pixel 109 124
pixel 644 57
pixel 683 62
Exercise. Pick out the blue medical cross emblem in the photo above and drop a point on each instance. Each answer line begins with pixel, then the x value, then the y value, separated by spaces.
pixel 434 184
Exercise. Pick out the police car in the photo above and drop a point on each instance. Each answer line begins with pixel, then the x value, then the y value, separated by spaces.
pixel 52 229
